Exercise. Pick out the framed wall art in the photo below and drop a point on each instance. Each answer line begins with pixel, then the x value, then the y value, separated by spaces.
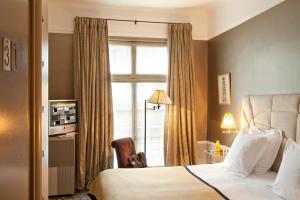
pixel 224 89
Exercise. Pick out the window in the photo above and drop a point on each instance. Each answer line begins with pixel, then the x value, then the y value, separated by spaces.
pixel 138 69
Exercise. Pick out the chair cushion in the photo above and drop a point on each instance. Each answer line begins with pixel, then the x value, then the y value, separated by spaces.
pixel 138 160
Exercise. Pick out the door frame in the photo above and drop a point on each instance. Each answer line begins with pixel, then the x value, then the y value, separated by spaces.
pixel 35 99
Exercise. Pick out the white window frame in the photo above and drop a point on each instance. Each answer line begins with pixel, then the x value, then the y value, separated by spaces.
pixel 135 78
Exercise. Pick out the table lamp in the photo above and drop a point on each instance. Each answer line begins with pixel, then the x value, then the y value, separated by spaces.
pixel 228 123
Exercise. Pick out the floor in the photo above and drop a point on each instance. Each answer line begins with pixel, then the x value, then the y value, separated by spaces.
pixel 81 196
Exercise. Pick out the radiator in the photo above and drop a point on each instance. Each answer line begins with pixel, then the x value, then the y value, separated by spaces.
pixel 62 165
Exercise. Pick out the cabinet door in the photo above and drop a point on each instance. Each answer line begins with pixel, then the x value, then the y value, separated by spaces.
pixel 61 165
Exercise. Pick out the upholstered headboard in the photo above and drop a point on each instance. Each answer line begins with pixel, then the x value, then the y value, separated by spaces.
pixel 273 111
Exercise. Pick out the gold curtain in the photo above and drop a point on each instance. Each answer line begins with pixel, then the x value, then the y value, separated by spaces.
pixel 92 86
pixel 180 130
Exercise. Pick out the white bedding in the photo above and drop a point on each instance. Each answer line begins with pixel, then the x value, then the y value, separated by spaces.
pixel 253 187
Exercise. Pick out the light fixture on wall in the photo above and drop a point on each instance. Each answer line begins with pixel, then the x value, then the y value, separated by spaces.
pixel 228 123
pixel 158 97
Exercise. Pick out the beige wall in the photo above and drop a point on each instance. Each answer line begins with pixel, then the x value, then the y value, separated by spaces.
pixel 14 104
pixel 61 74
pixel 262 56
pixel 61 66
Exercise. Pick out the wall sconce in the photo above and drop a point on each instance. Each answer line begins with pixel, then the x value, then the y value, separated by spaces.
pixel 228 123
pixel 158 97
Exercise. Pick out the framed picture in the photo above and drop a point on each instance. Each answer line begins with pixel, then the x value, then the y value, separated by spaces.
pixel 224 89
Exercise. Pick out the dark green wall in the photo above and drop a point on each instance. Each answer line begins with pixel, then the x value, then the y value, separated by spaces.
pixel 263 57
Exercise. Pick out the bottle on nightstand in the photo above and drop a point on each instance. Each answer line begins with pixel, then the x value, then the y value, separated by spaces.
pixel 207 152
pixel 216 153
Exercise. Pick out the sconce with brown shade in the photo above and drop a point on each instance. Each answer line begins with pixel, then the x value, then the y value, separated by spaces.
pixel 228 124
pixel 158 98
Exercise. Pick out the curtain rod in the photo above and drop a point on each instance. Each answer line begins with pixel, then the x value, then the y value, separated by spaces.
pixel 142 21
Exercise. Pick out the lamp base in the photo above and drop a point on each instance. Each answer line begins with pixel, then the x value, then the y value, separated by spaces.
pixel 230 132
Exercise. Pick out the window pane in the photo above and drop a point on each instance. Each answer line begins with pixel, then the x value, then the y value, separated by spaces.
pixel 122 108
pixel 155 124
pixel 151 60
pixel 120 59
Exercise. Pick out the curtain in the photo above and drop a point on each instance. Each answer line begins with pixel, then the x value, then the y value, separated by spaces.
pixel 180 130
pixel 92 86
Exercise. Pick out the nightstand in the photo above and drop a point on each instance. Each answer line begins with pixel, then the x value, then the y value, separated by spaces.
pixel 207 155
pixel 213 157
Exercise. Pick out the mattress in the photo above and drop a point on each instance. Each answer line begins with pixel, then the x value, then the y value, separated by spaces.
pixel 253 187
pixel 206 181
pixel 159 183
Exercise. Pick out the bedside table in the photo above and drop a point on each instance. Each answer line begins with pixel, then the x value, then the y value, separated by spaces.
pixel 213 157
pixel 207 154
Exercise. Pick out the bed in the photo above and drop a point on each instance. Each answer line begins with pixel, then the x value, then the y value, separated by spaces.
pixel 209 182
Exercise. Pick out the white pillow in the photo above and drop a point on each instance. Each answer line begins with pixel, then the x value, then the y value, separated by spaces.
pixel 274 138
pixel 287 183
pixel 244 153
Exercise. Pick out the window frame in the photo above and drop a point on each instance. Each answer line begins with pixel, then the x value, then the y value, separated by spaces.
pixel 133 77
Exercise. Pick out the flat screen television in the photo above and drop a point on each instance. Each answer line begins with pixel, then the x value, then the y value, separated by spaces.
pixel 62 116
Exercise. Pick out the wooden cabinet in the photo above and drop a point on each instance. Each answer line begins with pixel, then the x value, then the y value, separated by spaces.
pixel 62 164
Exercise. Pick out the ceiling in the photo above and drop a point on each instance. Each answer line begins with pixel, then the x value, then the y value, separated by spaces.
pixel 151 3
pixel 208 17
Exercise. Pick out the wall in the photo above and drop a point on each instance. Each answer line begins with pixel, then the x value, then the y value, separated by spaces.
pixel 14 104
pixel 61 66
pixel 262 56
pixel 61 74
pixel 224 15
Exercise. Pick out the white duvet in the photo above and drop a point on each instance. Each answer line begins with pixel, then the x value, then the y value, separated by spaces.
pixel 253 187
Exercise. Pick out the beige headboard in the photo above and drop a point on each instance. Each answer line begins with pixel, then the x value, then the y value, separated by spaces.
pixel 273 111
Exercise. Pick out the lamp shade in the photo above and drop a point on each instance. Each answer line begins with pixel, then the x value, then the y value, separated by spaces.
pixel 159 97
pixel 228 121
